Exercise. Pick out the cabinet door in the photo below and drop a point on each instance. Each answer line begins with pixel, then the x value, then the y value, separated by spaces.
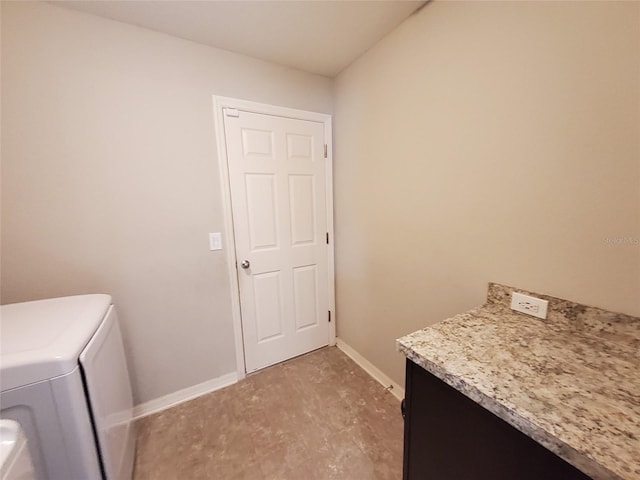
pixel 450 437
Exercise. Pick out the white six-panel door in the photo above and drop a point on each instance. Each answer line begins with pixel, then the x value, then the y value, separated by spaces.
pixel 277 180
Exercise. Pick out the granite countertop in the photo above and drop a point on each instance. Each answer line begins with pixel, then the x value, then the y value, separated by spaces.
pixel 571 382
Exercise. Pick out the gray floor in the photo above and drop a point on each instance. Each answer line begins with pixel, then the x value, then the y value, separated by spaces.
pixel 318 416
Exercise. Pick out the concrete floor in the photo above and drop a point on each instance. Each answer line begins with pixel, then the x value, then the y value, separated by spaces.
pixel 318 416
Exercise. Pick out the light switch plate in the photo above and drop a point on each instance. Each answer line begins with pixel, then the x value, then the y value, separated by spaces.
pixel 215 241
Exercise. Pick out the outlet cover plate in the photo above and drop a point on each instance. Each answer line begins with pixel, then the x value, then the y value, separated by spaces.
pixel 533 306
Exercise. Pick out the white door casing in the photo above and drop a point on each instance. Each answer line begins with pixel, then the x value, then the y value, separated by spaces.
pixel 280 207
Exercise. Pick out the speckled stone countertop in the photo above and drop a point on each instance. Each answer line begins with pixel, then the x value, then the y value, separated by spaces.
pixel 571 382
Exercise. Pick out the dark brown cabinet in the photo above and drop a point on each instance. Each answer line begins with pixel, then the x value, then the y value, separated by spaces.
pixel 448 436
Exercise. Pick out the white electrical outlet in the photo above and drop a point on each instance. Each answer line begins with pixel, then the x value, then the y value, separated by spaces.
pixel 529 305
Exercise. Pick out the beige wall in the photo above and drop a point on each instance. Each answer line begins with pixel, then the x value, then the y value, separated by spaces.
pixel 487 141
pixel 478 142
pixel 110 179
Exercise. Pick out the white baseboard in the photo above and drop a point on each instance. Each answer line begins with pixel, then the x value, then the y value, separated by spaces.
pixel 189 393
pixel 395 389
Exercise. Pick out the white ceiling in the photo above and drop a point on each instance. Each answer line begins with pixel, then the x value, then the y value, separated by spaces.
pixel 320 37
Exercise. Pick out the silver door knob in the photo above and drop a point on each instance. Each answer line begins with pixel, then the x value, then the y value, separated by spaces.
pixel 245 264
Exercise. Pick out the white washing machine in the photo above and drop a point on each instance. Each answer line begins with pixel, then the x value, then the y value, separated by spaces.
pixel 64 379
pixel 15 460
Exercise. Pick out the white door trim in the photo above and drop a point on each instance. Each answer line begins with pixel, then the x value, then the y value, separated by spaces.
pixel 219 103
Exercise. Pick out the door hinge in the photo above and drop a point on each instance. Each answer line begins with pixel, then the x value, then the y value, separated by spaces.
pixel 325 150
pixel 327 238
pixel 329 316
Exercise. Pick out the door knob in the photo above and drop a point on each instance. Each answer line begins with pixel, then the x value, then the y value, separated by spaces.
pixel 245 264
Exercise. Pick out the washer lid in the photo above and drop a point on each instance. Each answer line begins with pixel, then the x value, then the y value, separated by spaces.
pixel 42 339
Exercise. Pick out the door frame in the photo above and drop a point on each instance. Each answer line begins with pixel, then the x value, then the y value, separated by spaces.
pixel 219 103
